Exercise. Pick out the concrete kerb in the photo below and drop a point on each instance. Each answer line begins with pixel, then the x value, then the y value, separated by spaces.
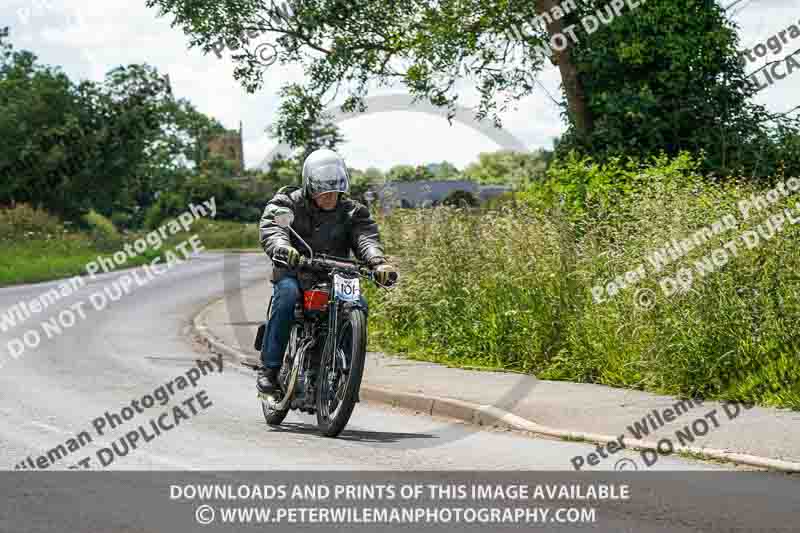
pixel 489 415
pixel 199 329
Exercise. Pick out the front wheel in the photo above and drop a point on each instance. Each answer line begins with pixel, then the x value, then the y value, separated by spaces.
pixel 273 417
pixel 337 386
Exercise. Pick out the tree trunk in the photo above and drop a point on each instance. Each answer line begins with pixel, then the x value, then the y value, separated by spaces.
pixel 573 87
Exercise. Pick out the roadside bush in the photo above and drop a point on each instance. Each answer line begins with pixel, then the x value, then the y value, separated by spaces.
pixel 168 205
pixel 459 198
pixel 26 222
pixel 219 234
pixel 102 230
pixel 233 203
pixel 122 220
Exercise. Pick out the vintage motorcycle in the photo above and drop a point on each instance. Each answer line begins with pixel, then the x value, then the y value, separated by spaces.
pixel 324 359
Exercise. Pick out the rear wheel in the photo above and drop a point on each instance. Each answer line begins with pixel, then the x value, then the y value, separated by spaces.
pixel 337 388
pixel 273 416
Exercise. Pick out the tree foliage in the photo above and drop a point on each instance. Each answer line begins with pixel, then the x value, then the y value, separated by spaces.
pixel 51 152
pixel 517 169
pixel 113 146
pixel 362 181
pixel 663 76
pixel 409 173
pixel 302 124
pixel 349 45
pixel 444 171
pixel 284 171
pixel 667 78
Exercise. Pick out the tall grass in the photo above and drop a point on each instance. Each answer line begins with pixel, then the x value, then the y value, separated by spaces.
pixel 512 287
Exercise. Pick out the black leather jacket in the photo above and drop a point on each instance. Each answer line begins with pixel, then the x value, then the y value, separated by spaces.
pixel 348 227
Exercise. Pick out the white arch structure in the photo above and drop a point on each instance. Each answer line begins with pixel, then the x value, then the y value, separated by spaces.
pixel 404 102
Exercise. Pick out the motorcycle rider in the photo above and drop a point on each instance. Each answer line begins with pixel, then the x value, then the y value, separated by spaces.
pixel 331 223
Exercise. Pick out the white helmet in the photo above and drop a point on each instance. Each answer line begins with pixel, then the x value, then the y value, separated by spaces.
pixel 325 171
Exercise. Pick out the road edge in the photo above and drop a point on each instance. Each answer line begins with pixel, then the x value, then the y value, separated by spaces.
pixel 489 415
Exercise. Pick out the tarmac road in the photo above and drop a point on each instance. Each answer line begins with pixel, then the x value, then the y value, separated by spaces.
pixel 125 352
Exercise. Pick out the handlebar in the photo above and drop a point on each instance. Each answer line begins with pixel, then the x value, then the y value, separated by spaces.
pixel 325 263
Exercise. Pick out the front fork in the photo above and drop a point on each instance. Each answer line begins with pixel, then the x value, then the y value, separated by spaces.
pixel 339 361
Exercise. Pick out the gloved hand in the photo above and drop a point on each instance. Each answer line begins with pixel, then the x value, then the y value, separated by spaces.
pixel 287 254
pixel 386 275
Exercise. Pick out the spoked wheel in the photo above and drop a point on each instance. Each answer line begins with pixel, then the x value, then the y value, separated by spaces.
pixel 340 374
pixel 273 416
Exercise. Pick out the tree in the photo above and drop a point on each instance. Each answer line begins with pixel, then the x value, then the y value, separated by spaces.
pixel 363 181
pixel 160 141
pixel 137 149
pixel 509 167
pixel 187 133
pixel 283 171
pixel 409 173
pixel 578 110
pixel 302 124
pixel 444 171
pixel 112 146
pixel 669 79
pixel 54 135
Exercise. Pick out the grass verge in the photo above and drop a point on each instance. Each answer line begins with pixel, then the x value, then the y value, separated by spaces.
pixel 37 247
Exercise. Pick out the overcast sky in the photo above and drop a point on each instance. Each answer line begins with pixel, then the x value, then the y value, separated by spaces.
pixel 89 37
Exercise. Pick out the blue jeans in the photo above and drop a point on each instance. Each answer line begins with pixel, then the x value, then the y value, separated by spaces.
pixel 285 293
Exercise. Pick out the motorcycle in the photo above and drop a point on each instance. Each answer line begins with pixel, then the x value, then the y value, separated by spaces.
pixel 324 359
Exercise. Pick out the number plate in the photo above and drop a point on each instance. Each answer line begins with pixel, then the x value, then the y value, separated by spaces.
pixel 347 289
